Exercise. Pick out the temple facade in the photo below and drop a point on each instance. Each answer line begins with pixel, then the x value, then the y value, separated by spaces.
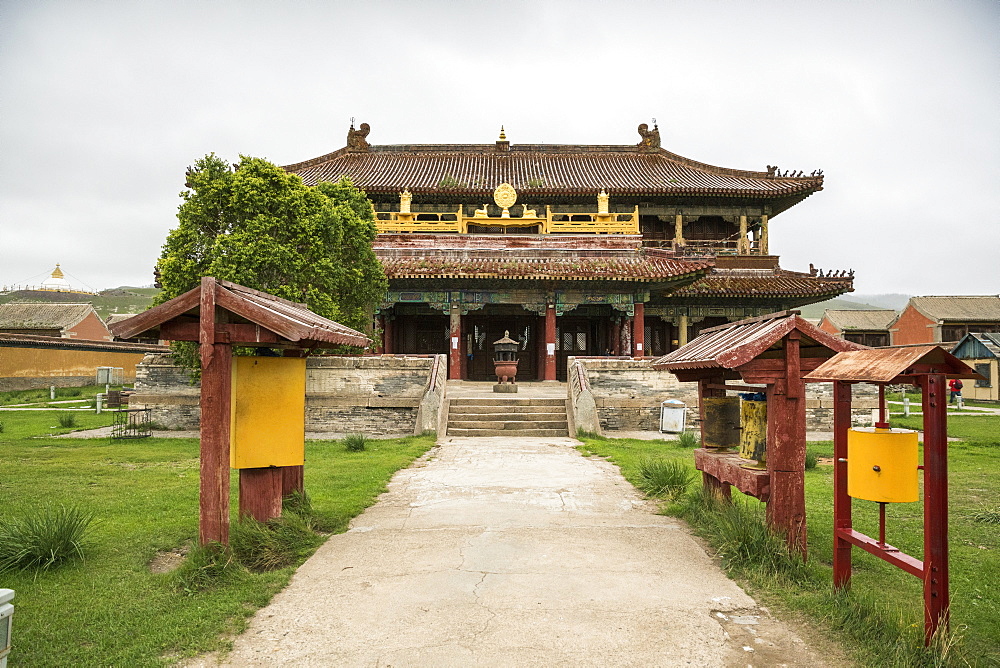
pixel 575 250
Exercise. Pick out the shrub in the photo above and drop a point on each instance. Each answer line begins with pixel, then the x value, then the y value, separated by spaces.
pixel 687 439
pixel 665 478
pixel 810 460
pixel 987 515
pixel 355 442
pixel 43 540
pixel 261 546
pixel 204 567
pixel 67 420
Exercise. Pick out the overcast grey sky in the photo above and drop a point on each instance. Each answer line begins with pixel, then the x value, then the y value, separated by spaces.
pixel 104 104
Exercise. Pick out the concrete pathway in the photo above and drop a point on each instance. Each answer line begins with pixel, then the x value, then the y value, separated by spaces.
pixel 493 552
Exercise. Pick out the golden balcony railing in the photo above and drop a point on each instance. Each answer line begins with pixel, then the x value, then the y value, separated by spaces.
pixel 553 222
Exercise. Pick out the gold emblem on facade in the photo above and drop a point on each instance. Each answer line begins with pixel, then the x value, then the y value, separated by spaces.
pixel 505 196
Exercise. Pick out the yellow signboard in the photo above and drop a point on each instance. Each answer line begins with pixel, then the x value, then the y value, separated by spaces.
pixel 268 425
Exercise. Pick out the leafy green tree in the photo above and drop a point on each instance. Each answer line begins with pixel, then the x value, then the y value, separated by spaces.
pixel 261 227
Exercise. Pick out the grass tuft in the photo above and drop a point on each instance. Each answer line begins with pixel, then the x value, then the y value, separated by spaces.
pixel 268 546
pixel 987 515
pixel 811 459
pixel 355 442
pixel 665 478
pixel 204 568
pixel 688 439
pixel 67 420
pixel 43 540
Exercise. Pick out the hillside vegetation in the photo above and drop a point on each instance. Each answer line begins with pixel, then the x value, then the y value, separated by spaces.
pixel 123 299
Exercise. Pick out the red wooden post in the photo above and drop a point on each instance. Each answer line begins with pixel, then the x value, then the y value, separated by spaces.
pixel 936 594
pixel 260 493
pixel 638 330
pixel 786 450
pixel 216 390
pixel 292 480
pixel 842 520
pixel 550 342
pixel 455 344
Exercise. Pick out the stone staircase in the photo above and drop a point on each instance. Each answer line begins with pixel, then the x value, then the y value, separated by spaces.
pixel 507 416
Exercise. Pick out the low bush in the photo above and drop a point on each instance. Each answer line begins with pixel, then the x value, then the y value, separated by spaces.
pixel 355 442
pixel 204 568
pixel 67 420
pixel 665 478
pixel 268 546
pixel 43 539
pixel 811 459
pixel 688 439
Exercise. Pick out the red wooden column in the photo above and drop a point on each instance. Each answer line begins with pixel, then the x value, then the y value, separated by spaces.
pixel 786 449
pixel 841 501
pixel 638 330
pixel 455 344
pixel 936 594
pixel 550 342
pixel 216 396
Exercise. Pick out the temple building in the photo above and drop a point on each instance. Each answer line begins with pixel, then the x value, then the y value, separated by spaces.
pixel 576 250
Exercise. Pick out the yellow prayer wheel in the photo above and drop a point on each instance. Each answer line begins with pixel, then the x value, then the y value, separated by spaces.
pixel 882 465
pixel 753 435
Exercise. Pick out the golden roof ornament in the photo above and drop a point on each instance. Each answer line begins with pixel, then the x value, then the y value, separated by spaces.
pixel 404 200
pixel 57 272
pixel 503 136
pixel 505 196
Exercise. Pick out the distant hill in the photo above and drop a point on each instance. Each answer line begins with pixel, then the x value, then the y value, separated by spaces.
pixel 124 299
pixel 893 300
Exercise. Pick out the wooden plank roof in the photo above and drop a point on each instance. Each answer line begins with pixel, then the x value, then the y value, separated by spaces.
pixel 978 345
pixel 734 344
pixel 882 365
pixel 33 341
pixel 291 321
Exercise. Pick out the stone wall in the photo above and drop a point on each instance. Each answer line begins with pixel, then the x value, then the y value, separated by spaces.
pixel 623 394
pixel 376 396
pixel 608 395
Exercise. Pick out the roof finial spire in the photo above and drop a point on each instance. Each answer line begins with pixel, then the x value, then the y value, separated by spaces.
pixel 57 272
pixel 503 136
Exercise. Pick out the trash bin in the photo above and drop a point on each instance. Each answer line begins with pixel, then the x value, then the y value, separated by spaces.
pixel 673 415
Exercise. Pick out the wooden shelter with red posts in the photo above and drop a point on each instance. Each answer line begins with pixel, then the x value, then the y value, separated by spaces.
pixel 237 400
pixel 881 464
pixel 775 351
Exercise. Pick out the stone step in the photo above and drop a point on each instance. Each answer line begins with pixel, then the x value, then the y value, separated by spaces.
pixel 506 410
pixel 476 413
pixel 508 401
pixel 507 425
pixel 509 434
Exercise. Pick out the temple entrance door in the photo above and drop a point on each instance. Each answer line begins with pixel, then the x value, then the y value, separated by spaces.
pixel 482 330
pixel 574 337
pixel 421 334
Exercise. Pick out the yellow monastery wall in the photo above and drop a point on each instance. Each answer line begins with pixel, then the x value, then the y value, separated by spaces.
pixel 26 368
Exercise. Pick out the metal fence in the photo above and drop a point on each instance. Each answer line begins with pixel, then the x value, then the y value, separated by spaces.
pixel 131 423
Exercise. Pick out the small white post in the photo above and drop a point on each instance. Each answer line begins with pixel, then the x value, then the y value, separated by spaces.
pixel 100 398
pixel 906 406
pixel 960 403
pixel 52 392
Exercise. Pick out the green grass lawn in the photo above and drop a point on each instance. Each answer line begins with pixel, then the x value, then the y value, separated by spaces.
pixel 111 609
pixel 884 598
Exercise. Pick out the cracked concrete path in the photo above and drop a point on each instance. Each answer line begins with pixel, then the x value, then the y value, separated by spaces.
pixel 500 552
